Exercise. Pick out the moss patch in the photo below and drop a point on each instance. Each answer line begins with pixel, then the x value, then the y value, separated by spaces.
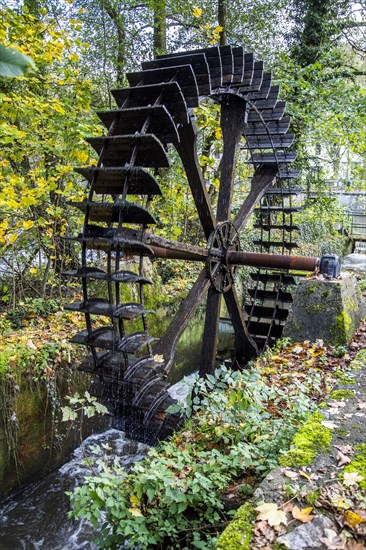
pixel 238 534
pixel 342 394
pixel 358 464
pixel 309 440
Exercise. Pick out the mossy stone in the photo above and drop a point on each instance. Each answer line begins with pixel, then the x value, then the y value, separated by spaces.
pixel 358 464
pixel 342 394
pixel 309 440
pixel 238 534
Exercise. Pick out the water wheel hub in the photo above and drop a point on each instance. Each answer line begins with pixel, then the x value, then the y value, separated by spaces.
pixel 223 239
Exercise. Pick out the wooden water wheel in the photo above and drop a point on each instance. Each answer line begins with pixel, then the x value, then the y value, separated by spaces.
pixel 156 110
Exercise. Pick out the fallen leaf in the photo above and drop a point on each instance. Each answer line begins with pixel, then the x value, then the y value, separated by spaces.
pixel 351 478
pixel 332 540
pixel 288 507
pixel 291 474
pixel 270 512
pixel 345 449
pixel 305 475
pixel 262 528
pixel 158 358
pixel 361 406
pixel 342 459
pixel 340 503
pixel 354 545
pixel 353 519
pixel 297 350
pixel 329 424
pixel 303 514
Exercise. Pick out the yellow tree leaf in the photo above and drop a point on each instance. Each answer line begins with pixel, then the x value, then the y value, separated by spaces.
pixel 197 12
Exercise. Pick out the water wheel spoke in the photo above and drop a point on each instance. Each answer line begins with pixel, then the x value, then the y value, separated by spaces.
pixel 167 344
pixel 245 346
pixel 210 332
pixel 187 149
pixel 232 125
pixel 261 181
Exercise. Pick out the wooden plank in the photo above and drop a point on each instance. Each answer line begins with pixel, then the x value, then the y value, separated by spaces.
pixel 269 142
pixel 182 74
pixel 261 312
pixel 227 63
pixel 187 149
pixel 118 150
pixel 198 62
pixel 113 212
pixel 273 127
pixel 238 58
pixel 248 69
pixel 266 115
pixel 168 93
pixel 210 333
pixel 153 120
pixel 271 158
pixel 111 180
pixel 232 125
pixel 262 329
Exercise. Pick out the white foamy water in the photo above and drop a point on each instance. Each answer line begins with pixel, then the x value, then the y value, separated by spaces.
pixel 35 518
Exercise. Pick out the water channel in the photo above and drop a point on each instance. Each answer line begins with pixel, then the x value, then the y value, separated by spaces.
pixel 35 517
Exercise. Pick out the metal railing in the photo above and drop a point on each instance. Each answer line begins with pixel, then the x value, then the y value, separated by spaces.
pixel 357 221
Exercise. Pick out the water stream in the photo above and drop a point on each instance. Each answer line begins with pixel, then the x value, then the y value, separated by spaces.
pixel 35 518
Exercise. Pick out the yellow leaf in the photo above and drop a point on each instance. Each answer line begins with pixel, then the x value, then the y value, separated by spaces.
pixel 28 224
pixel 134 501
pixel 303 514
pixel 136 512
pixel 353 519
pixel 197 12
pixel 218 134
pixel 82 156
pixel 33 270
pixel 13 238
pixel 270 512
pixel 218 29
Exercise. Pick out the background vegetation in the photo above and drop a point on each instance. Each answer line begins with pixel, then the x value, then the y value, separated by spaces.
pixel 82 50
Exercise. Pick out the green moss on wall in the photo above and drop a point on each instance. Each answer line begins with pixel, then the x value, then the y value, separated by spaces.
pixel 358 464
pixel 309 440
pixel 238 534
pixel 342 394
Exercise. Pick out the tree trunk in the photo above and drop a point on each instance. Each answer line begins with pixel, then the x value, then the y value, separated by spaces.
pixel 159 44
pixel 117 19
pixel 222 13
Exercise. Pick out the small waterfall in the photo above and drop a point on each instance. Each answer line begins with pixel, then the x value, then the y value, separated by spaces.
pixel 35 518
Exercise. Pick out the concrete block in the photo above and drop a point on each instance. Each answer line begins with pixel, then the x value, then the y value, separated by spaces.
pixel 330 310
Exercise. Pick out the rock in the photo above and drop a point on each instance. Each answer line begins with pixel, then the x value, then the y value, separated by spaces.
pixel 308 535
pixel 272 488
pixel 327 309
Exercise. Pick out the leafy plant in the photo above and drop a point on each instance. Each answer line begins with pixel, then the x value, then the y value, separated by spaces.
pixel 239 427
